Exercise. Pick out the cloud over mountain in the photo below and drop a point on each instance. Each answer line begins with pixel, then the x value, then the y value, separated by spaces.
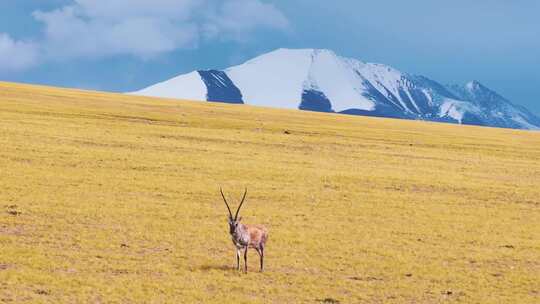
pixel 140 28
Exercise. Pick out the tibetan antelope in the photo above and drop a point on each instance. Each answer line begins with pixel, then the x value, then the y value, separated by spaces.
pixel 245 236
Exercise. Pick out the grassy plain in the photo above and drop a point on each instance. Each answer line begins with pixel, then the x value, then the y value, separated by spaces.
pixel 106 198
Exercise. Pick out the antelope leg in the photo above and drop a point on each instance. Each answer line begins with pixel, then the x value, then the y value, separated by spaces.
pixel 237 259
pixel 262 258
pixel 245 259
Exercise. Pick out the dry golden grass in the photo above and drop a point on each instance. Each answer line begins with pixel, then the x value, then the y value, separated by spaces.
pixel 106 198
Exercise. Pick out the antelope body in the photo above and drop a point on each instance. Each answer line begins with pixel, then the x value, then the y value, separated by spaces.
pixel 246 236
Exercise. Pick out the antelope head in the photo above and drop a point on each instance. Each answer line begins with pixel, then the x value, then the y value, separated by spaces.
pixel 233 221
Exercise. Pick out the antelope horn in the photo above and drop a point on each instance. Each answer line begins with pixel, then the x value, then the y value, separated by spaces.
pixel 240 206
pixel 225 200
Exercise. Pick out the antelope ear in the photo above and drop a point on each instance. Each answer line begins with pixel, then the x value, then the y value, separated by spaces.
pixel 239 218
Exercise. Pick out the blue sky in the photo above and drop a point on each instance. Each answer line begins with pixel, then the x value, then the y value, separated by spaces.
pixel 123 45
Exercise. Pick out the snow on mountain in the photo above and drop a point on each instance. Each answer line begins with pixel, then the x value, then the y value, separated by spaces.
pixel 320 80
pixel 338 81
pixel 263 82
pixel 457 109
pixel 188 86
pixel 495 110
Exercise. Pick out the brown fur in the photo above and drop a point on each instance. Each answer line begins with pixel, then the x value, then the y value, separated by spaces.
pixel 258 234
pixel 246 236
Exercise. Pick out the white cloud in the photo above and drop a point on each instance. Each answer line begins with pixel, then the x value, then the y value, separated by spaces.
pixel 99 28
pixel 141 28
pixel 16 55
pixel 69 33
pixel 235 19
pixel 121 9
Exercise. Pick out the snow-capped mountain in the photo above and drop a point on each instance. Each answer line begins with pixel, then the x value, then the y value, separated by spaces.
pixel 320 80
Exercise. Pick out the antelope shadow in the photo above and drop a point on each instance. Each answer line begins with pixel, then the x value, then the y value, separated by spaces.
pixel 209 267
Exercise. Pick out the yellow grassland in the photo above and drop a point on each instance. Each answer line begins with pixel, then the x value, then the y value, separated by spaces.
pixel 108 198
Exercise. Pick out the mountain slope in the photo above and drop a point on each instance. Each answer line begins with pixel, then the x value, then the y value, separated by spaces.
pixel 320 80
